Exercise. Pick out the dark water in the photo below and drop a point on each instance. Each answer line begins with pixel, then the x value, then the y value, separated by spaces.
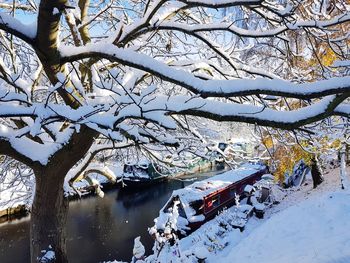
pixel 99 229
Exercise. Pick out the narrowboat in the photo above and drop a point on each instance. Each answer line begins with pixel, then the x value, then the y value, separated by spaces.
pixel 142 174
pixel 188 208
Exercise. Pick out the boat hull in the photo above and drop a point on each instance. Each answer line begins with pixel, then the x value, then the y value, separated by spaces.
pixel 135 182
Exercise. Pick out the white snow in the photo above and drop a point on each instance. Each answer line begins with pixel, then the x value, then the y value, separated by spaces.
pixel 14 192
pixel 55 11
pixel 313 231
pixel 138 250
pixel 113 169
pixel 47 255
pixel 198 190
pixel 214 87
pixel 309 225
pixel 248 188
pixel 16 25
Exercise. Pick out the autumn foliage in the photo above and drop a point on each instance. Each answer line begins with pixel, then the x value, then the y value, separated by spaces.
pixel 284 156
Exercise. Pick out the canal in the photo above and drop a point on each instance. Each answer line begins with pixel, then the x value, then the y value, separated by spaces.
pixel 100 229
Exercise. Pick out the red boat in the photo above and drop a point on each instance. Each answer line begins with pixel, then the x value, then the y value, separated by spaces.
pixel 190 207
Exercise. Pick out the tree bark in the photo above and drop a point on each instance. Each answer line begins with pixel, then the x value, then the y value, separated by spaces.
pixel 46 47
pixel 49 216
pixel 316 174
pixel 343 173
pixel 50 208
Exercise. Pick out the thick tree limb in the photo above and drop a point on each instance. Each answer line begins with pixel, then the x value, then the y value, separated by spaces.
pixel 241 32
pixel 7 149
pixel 208 88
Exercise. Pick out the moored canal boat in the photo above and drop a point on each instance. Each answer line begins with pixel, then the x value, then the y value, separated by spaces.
pixel 142 174
pixel 188 208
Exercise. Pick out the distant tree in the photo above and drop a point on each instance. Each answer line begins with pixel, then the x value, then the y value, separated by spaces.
pixel 318 147
pixel 94 75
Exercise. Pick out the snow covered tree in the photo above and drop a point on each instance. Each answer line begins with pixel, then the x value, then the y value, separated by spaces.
pixel 90 75
pixel 319 145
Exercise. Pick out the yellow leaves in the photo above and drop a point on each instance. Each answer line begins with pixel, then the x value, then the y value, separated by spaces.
pixel 281 157
pixel 325 56
pixel 268 141
pixel 336 144
pixel 326 144
pixel 328 58
pixel 295 104
pixel 287 156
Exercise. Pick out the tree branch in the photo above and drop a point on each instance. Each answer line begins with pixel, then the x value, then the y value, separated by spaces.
pixel 208 88
pixel 13 26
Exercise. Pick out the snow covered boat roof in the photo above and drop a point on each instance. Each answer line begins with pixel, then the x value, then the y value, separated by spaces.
pixel 200 189
pixel 140 163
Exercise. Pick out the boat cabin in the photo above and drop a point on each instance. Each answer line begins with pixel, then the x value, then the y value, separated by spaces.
pixel 142 170
pixel 202 200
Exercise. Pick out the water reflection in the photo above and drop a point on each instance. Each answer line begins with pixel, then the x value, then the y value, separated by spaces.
pixel 99 229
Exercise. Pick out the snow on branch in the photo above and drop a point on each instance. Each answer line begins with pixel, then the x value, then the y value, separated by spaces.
pixel 13 26
pixel 133 29
pixel 20 6
pixel 343 110
pixel 207 88
pixel 33 150
pixel 84 167
pixel 220 3
pixel 165 58
pixel 241 32
pixel 223 111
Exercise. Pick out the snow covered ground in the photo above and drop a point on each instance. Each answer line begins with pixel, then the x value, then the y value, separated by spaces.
pixel 314 231
pixel 309 226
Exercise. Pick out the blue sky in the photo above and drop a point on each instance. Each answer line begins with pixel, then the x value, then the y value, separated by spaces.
pixel 25 17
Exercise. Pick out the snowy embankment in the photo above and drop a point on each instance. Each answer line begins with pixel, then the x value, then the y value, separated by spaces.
pixel 315 230
pixel 309 225
pixel 16 191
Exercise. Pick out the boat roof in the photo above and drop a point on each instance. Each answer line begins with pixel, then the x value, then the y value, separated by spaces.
pixel 200 189
pixel 142 162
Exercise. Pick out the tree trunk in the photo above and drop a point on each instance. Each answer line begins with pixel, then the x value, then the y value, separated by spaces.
pixel 48 218
pixel 316 174
pixel 343 174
